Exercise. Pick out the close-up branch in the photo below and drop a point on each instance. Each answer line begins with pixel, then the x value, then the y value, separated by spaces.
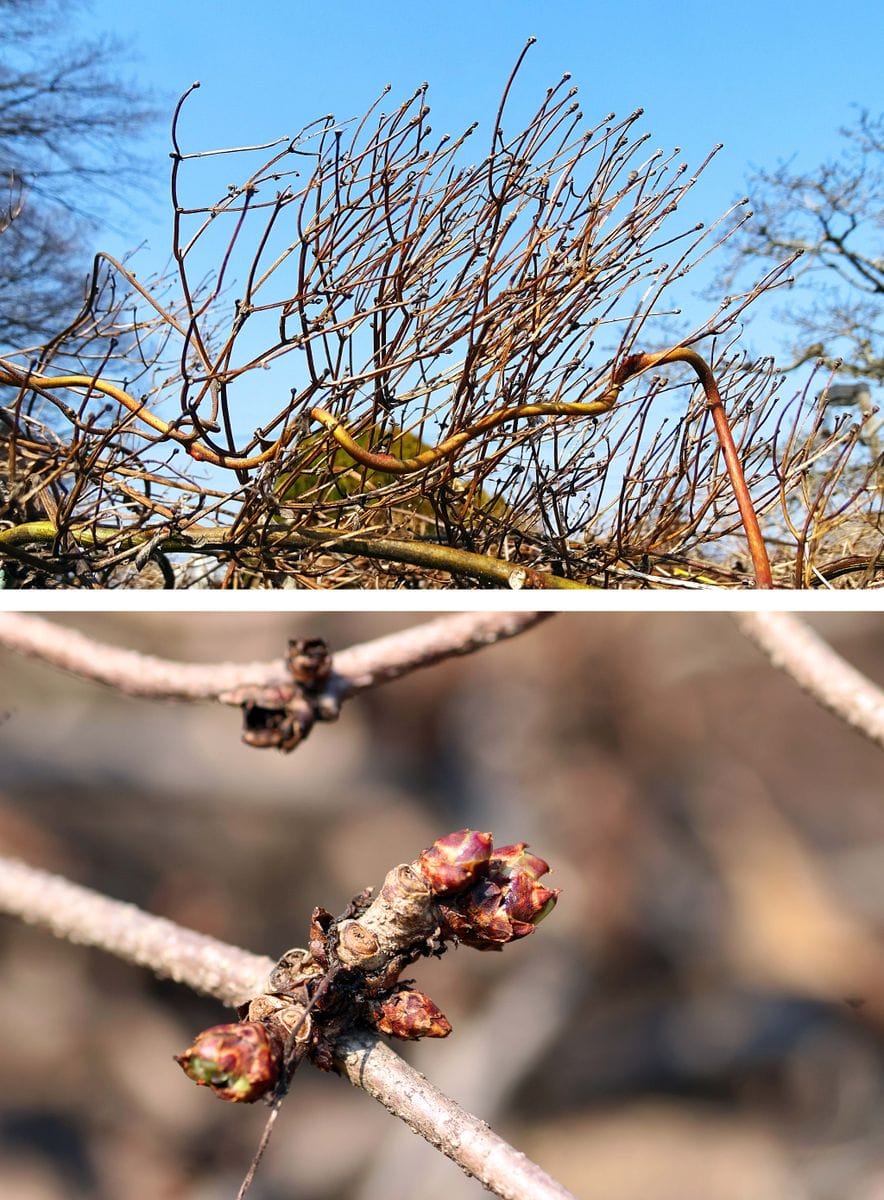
pixel 232 976
pixel 711 942
pixel 793 647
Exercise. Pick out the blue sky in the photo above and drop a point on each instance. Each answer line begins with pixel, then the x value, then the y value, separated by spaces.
pixel 769 80
pixel 766 79
pixel 772 81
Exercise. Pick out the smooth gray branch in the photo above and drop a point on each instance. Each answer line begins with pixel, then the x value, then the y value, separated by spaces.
pixel 79 914
pixel 372 1065
pixel 792 646
pixel 354 670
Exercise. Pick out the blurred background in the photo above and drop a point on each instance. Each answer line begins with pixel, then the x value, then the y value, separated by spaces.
pixel 700 1016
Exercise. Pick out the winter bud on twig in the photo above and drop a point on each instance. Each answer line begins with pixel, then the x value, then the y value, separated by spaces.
pixel 238 1062
pixel 458 890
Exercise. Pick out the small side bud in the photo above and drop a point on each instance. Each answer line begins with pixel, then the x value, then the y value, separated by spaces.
pixel 239 1062
pixel 453 862
pixel 275 728
pixel 409 1015
pixel 309 661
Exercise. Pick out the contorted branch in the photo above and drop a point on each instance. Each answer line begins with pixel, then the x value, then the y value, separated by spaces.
pixel 793 647
pixel 633 364
pixel 432 380
pixel 81 915
pixel 218 540
pixel 354 670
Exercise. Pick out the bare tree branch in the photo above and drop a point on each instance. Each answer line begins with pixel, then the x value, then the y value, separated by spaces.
pixel 549 986
pixel 81 915
pixel 793 647
pixel 354 670
pixel 830 215
pixel 68 122
pixel 372 1065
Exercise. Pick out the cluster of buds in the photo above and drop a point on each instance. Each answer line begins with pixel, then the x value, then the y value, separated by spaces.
pixel 459 890
pixel 486 897
pixel 280 715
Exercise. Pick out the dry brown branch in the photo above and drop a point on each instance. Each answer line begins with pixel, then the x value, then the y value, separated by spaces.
pixel 793 647
pixel 449 340
pixel 475 1148
pixel 230 974
pixel 548 989
pixel 354 670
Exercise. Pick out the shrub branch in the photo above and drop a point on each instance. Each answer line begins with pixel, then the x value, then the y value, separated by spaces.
pixel 354 670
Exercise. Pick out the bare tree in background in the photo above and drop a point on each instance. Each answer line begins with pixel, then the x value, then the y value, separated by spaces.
pixel 380 363
pixel 834 216
pixel 66 116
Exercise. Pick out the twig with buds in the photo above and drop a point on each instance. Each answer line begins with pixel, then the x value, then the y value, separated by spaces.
pixel 282 699
pixel 327 1003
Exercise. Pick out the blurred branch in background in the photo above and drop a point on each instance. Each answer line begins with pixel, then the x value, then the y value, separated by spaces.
pixel 355 669
pixel 280 700
pixel 787 929
pixel 793 647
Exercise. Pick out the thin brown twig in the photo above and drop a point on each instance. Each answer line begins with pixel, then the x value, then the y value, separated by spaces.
pixel 793 647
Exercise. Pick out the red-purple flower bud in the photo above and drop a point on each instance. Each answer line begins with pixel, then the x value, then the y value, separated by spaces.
pixel 239 1062
pixel 517 872
pixel 507 860
pixel 528 901
pixel 455 861
pixel 504 905
pixel 409 1015
pixel 478 918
